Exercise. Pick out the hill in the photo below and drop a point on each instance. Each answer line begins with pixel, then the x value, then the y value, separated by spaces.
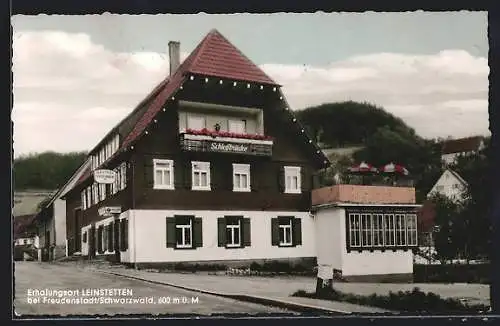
pixel 349 123
pixel 48 170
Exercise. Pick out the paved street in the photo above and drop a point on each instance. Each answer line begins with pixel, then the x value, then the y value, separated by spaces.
pixel 30 276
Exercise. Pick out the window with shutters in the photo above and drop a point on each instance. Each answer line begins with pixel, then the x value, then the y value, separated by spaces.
pixel 285 226
pixel 200 174
pixel 241 177
pixel 163 174
pixel 84 199
pixel 286 231
pixel 184 232
pixel 95 197
pixel 234 232
pixel 104 238
pixel 292 180
pixel 99 239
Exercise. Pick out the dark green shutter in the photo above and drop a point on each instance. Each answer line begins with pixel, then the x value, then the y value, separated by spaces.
pixel 198 232
pixel 221 231
pixel 122 242
pixel 110 236
pixel 304 183
pixel 149 174
pixel 246 232
pixel 281 179
pixel 105 238
pixel 275 232
pixel 171 242
pixel 116 230
pixel 254 177
pixel 297 231
pixel 99 239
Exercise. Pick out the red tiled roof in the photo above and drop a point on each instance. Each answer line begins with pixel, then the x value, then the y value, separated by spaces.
pixel 214 56
pixel 218 57
pixel 461 145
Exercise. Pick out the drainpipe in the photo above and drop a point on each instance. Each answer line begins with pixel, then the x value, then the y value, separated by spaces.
pixel 132 214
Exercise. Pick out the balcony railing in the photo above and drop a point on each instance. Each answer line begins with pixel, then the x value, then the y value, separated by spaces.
pixel 214 142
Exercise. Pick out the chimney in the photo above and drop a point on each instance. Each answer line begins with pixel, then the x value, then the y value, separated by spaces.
pixel 174 56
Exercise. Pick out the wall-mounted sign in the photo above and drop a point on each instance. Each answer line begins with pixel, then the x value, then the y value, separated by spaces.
pixel 228 147
pixel 109 211
pixel 104 176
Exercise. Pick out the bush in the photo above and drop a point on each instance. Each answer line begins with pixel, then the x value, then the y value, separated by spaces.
pixel 452 273
pixel 409 301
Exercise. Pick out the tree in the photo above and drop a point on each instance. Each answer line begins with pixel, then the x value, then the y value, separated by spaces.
pixel 446 214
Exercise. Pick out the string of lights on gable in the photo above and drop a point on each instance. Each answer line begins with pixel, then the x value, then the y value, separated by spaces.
pixel 248 86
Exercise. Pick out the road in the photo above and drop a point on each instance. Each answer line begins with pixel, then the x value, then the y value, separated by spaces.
pixel 31 276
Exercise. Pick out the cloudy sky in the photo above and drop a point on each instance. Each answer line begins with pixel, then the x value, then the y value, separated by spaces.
pixel 75 77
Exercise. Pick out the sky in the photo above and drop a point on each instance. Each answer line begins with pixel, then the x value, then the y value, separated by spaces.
pixel 75 77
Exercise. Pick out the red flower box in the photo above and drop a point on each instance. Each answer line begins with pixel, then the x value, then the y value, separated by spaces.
pixel 213 133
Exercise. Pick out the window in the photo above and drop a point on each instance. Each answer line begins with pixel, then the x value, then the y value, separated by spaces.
pixel 411 229
pixel 372 230
pixel 184 232
pixel 84 199
pixel 200 175
pixel 237 126
pixel 389 229
pixel 233 232
pixel 354 230
pixel 99 239
pixel 123 177
pixel 196 123
pixel 89 197
pixel 400 229
pixel 292 180
pixel 378 230
pixel 286 231
pixel 163 174
pixel 102 191
pixel 241 177
pixel 366 229
pixel 95 198
pixel 25 241
pixel 118 180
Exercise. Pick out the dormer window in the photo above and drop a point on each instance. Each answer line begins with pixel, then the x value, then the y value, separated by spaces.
pixel 196 122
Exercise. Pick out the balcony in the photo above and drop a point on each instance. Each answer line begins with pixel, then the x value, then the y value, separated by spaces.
pixel 209 141
pixel 363 194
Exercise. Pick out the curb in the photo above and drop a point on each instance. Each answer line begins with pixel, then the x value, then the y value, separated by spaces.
pixel 304 308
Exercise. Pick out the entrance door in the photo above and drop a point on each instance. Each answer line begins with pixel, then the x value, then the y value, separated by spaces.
pixel 78 230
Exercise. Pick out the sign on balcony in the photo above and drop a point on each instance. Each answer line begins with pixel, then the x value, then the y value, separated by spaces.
pixel 104 176
pixel 258 148
pixel 109 211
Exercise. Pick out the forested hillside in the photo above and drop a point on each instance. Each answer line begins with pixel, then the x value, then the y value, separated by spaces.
pixel 48 170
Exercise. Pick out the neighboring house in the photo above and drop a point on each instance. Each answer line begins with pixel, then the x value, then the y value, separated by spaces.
pixel 453 148
pixel 50 221
pixel 187 193
pixel 449 184
pixel 26 202
pixel 26 241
